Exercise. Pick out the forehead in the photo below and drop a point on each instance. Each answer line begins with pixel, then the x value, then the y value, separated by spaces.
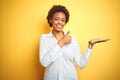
pixel 59 14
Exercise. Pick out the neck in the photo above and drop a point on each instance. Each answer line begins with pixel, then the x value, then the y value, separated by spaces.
pixel 58 34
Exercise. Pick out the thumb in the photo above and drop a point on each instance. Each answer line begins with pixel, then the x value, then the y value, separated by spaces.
pixel 68 33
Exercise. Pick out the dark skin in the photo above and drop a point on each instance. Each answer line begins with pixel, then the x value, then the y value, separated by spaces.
pixel 58 22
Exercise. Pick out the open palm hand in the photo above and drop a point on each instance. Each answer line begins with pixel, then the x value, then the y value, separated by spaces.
pixel 94 41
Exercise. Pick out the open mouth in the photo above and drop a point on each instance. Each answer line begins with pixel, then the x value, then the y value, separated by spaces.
pixel 59 26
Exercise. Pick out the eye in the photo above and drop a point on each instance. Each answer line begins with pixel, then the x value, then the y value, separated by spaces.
pixel 56 19
pixel 63 20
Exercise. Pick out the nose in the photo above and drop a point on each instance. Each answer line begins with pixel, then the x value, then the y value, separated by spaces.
pixel 59 22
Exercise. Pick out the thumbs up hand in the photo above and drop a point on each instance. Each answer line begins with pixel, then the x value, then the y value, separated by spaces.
pixel 68 33
pixel 65 40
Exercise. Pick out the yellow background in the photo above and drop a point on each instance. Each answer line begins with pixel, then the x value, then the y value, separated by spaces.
pixel 23 21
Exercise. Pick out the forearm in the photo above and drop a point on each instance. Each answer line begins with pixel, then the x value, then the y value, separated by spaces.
pixel 49 56
pixel 85 58
pixel 80 59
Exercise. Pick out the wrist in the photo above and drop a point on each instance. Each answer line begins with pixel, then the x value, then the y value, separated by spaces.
pixel 90 45
pixel 61 43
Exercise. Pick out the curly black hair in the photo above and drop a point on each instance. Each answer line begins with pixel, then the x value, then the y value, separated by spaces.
pixel 57 8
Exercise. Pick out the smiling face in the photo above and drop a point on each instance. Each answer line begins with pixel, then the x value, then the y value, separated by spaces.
pixel 58 21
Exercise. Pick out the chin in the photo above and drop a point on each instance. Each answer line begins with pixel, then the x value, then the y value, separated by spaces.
pixel 58 30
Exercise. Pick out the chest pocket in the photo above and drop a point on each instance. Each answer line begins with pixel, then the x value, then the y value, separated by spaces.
pixel 68 52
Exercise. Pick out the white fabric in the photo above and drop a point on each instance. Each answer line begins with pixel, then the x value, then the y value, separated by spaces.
pixel 59 62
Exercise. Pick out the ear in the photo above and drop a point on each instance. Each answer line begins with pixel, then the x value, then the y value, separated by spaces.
pixel 50 21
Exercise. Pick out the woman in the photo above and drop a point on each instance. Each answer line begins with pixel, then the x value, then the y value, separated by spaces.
pixel 59 52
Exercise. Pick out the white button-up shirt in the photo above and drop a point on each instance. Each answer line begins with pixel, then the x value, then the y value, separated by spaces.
pixel 59 62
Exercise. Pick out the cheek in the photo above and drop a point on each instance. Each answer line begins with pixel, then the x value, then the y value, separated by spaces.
pixel 63 23
pixel 54 22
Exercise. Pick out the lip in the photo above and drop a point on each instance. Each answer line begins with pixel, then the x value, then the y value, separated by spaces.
pixel 58 26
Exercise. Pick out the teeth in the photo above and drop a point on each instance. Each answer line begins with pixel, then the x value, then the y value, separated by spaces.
pixel 58 26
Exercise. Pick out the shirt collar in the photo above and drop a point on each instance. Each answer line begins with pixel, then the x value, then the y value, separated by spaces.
pixel 51 35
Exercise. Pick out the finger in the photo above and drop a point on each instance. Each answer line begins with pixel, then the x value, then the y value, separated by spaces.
pixel 68 33
pixel 105 39
pixel 102 39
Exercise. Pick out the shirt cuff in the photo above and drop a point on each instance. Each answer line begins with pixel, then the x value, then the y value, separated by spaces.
pixel 89 50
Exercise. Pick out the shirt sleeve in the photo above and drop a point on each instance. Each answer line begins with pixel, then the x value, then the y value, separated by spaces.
pixel 48 56
pixel 81 60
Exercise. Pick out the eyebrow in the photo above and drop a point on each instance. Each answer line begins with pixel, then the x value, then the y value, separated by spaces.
pixel 58 17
